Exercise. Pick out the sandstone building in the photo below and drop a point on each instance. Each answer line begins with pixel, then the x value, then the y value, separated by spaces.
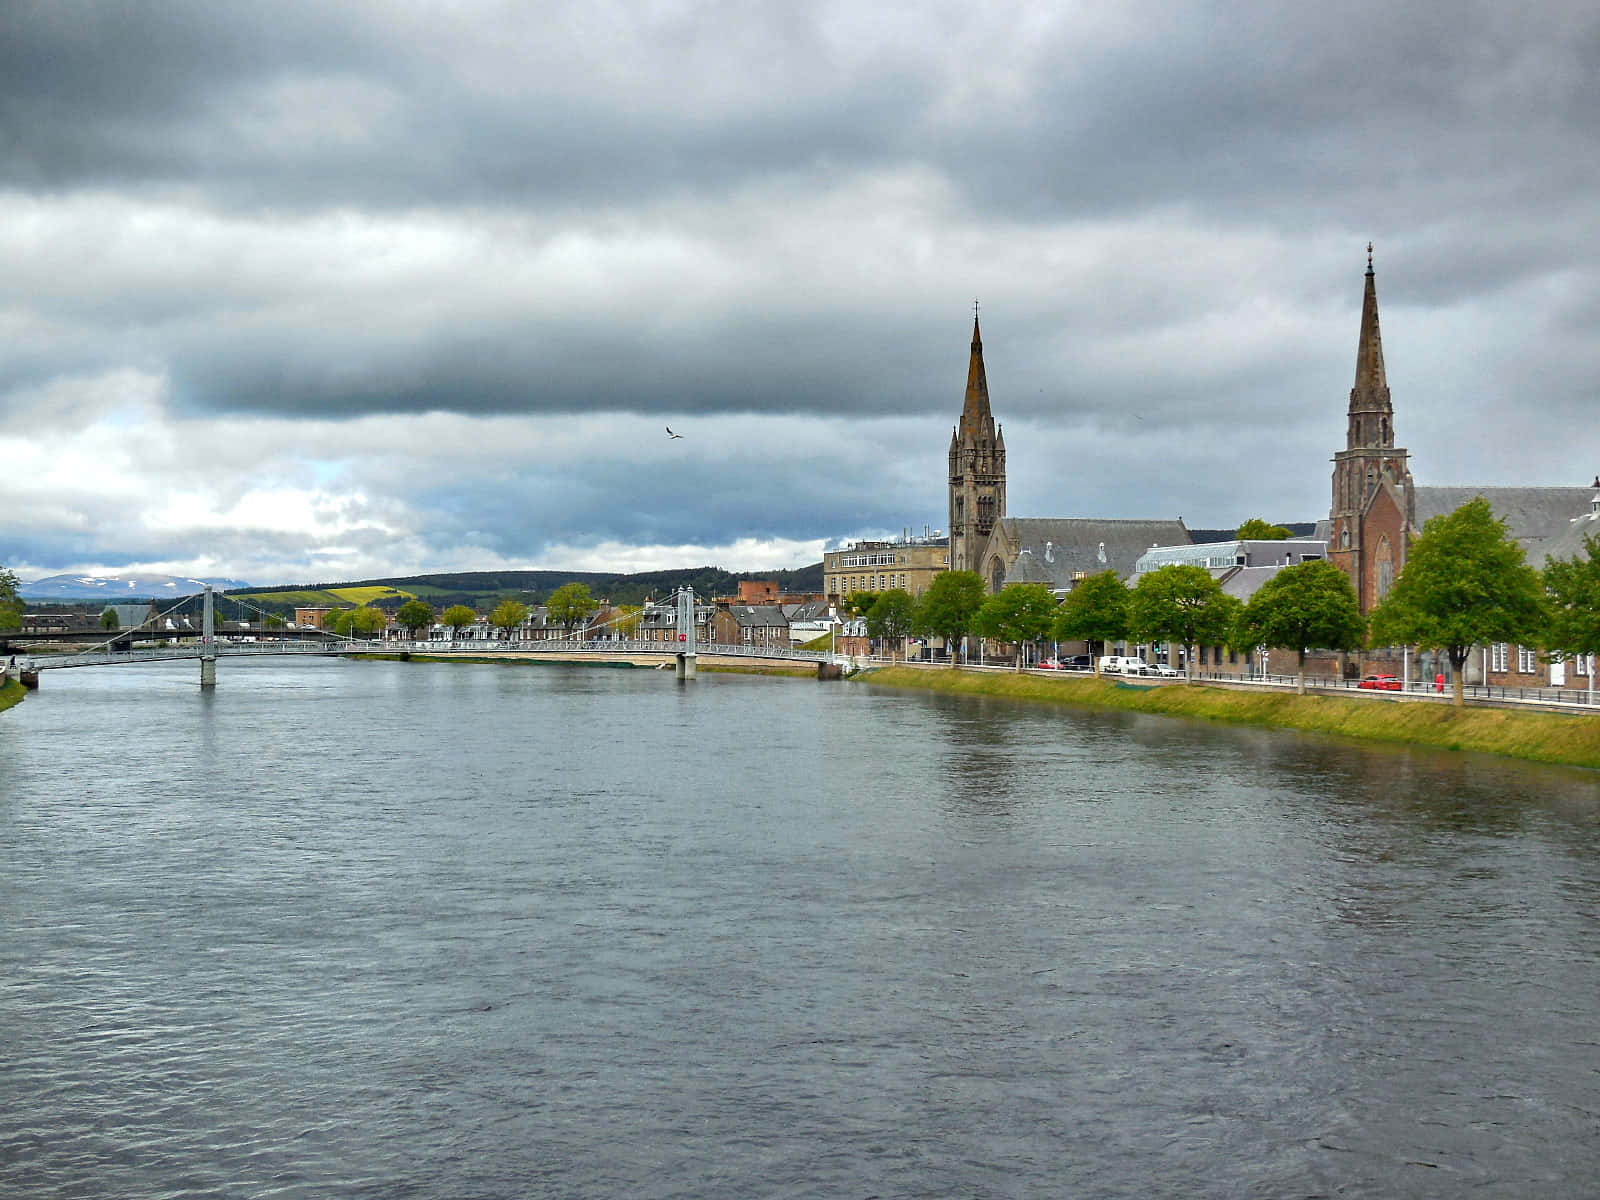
pixel 977 468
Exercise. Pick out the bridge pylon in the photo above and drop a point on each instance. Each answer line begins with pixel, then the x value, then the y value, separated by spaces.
pixel 685 632
pixel 208 644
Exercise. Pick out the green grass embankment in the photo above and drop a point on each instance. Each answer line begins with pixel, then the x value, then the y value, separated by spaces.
pixel 11 692
pixel 1572 740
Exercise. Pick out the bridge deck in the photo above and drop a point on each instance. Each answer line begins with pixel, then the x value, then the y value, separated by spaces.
pixel 574 650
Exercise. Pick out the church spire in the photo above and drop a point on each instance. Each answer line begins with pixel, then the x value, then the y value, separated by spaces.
pixel 976 420
pixel 1371 391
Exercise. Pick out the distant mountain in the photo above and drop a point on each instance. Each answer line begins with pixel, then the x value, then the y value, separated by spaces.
pixel 118 589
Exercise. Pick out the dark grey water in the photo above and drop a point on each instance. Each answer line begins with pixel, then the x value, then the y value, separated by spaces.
pixel 377 930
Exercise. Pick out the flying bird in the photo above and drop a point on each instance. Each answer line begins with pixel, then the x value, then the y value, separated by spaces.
pixel 673 436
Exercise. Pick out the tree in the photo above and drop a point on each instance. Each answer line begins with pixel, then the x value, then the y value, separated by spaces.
pixel 946 609
pixel 629 618
pixel 1573 588
pixel 1256 529
pixel 457 617
pixel 1310 604
pixel 1464 583
pixel 357 622
pixel 414 615
pixel 273 621
pixel 890 616
pixel 859 604
pixel 11 606
pixel 109 620
pixel 507 615
pixel 570 606
pixel 1020 613
pixel 1181 604
pixel 1095 611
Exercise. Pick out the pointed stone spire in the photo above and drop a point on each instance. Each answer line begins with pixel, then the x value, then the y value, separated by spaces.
pixel 976 420
pixel 1371 391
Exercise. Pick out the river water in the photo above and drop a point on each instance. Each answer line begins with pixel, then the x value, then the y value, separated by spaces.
pixel 467 931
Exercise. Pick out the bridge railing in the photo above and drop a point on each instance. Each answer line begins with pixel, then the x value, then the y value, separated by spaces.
pixel 593 646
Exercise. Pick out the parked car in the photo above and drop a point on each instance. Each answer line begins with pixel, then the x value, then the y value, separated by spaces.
pixel 1380 683
pixel 1160 669
pixel 1048 664
pixel 1078 662
pixel 1121 664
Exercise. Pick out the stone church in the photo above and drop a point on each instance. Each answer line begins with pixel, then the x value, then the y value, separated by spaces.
pixel 977 468
pixel 1377 509
pixel 1056 551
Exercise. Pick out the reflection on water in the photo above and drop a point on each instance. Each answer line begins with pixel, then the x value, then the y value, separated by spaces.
pixel 400 930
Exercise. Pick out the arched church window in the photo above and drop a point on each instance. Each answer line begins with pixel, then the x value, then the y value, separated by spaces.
pixel 1344 538
pixel 997 576
pixel 1358 429
pixel 1385 563
pixel 1383 425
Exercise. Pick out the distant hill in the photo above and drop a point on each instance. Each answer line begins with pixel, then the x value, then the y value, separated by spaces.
pixel 119 589
pixel 481 590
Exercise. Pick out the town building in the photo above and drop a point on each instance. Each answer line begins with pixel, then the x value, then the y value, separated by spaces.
pixel 750 625
pixel 1061 552
pixel 977 468
pixel 911 564
pixel 1227 556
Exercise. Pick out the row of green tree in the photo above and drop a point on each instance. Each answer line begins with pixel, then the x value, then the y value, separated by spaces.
pixel 1465 584
pixel 569 606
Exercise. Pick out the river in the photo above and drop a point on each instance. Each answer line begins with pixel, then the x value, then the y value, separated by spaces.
pixel 345 929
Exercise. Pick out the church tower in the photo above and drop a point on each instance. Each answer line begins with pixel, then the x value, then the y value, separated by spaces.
pixel 977 468
pixel 1374 500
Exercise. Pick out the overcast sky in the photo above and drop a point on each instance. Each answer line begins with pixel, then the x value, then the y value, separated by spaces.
pixel 316 291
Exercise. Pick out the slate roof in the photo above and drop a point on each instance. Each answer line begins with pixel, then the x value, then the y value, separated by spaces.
pixel 1533 515
pixel 1243 582
pixel 1570 542
pixel 1061 547
pixel 758 616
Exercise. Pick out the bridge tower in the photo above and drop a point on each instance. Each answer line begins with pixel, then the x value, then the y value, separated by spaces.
pixel 208 644
pixel 686 654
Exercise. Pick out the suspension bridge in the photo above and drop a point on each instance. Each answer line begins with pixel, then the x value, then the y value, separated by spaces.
pixel 683 652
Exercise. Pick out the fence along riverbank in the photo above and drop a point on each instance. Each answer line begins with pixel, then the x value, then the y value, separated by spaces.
pixel 1560 737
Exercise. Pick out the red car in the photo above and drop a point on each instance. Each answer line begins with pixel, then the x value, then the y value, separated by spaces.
pixel 1380 683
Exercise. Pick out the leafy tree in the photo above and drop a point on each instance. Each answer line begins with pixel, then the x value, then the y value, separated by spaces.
pixel 273 621
pixel 859 604
pixel 108 620
pixel 1310 604
pixel 1181 604
pixel 891 616
pixel 946 609
pixel 457 617
pixel 357 622
pixel 1096 611
pixel 414 615
pixel 629 617
pixel 1020 613
pixel 1256 529
pixel 1573 588
pixel 11 606
pixel 570 605
pixel 1464 583
pixel 507 615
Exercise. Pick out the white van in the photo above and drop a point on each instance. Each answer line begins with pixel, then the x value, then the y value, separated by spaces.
pixel 1121 664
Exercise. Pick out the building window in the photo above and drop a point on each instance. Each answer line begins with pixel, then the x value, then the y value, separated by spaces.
pixel 1527 661
pixel 1497 657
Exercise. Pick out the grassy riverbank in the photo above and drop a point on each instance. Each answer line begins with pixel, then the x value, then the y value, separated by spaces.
pixel 10 693
pixel 1538 736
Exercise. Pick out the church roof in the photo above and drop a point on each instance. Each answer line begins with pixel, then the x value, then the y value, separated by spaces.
pixel 1533 515
pixel 1570 542
pixel 1065 547
pixel 1028 569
